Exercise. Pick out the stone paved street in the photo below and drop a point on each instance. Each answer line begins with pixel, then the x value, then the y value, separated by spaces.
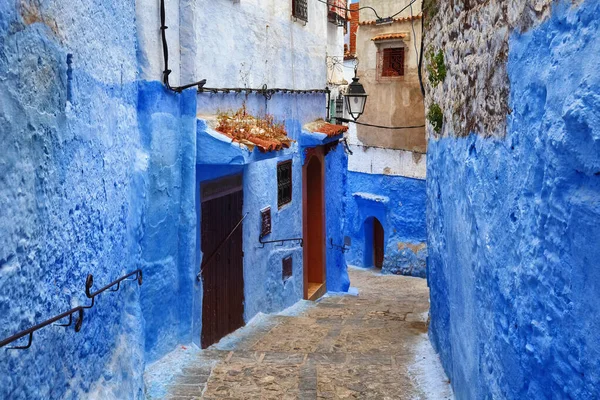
pixel 371 346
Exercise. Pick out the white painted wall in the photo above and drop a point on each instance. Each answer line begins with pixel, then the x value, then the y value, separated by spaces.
pixel 150 44
pixel 257 42
pixel 243 43
pixel 379 161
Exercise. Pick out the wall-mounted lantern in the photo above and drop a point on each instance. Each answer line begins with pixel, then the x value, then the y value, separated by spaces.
pixel 356 98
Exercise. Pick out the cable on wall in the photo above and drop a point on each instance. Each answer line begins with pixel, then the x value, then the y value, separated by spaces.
pixel 167 71
pixel 388 19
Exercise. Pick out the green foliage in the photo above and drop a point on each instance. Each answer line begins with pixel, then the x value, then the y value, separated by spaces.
pixel 436 68
pixel 430 10
pixel 435 116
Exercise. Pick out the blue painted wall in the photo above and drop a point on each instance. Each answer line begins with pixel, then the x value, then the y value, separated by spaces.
pixel 168 228
pixel 70 199
pixel 93 179
pixel 98 174
pixel 264 289
pixel 399 204
pixel 514 226
pixel 336 166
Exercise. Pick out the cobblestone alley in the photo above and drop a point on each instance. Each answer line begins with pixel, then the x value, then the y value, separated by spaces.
pixel 370 346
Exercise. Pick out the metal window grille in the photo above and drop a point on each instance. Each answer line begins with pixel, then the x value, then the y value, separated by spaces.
pixel 337 12
pixel 284 183
pixel 286 268
pixel 339 106
pixel 300 9
pixel 393 62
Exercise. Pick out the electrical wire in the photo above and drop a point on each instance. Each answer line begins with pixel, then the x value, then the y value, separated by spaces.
pixel 348 10
pixel 368 8
pixel 388 127
pixel 167 71
pixel 409 5
pixel 380 147
pixel 379 126
pixel 420 66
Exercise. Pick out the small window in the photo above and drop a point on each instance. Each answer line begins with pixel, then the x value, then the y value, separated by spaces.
pixel 284 183
pixel 393 62
pixel 286 268
pixel 300 10
pixel 339 106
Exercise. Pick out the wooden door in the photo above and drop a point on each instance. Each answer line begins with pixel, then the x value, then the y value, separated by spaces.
pixel 378 246
pixel 314 226
pixel 223 276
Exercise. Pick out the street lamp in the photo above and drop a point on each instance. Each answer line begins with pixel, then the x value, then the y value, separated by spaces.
pixel 356 98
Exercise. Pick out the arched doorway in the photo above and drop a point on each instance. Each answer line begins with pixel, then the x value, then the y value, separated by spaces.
pixel 378 249
pixel 374 243
pixel 314 226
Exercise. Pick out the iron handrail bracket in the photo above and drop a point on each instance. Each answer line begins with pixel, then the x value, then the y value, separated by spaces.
pixel 29 332
pixel 263 242
pixel 342 248
pixel 77 310
pixel 214 253
pixel 89 282
pixel 264 90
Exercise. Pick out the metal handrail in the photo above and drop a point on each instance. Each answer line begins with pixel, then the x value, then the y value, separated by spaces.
pixel 34 328
pixel 281 241
pixel 214 253
pixel 343 248
pixel 79 310
pixel 89 282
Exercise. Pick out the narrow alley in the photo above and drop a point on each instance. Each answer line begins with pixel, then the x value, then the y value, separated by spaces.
pixel 370 346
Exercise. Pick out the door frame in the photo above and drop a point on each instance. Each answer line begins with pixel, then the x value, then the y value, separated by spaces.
pixel 211 190
pixel 318 154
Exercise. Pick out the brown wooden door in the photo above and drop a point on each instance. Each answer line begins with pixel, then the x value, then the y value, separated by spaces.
pixel 223 276
pixel 314 227
pixel 378 249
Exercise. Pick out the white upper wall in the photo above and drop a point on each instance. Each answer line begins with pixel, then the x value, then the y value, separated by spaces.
pixel 255 42
pixel 238 43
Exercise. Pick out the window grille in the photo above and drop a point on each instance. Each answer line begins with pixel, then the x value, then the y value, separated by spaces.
pixel 339 106
pixel 393 62
pixel 300 10
pixel 284 183
pixel 287 268
pixel 337 12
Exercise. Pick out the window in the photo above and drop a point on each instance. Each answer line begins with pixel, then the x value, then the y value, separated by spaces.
pixel 284 183
pixel 339 106
pixel 287 268
pixel 393 62
pixel 337 12
pixel 300 10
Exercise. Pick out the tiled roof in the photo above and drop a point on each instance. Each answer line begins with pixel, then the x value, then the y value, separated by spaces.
pixel 389 36
pixel 252 131
pixel 338 7
pixel 401 19
pixel 326 128
pixel 264 144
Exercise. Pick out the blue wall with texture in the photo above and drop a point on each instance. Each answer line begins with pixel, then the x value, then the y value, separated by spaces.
pixel 399 204
pixel 91 181
pixel 514 226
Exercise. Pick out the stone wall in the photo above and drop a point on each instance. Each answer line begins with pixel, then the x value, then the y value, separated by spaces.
pixel 513 188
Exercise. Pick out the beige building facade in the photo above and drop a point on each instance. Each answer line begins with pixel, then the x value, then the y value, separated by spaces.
pixel 387 58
